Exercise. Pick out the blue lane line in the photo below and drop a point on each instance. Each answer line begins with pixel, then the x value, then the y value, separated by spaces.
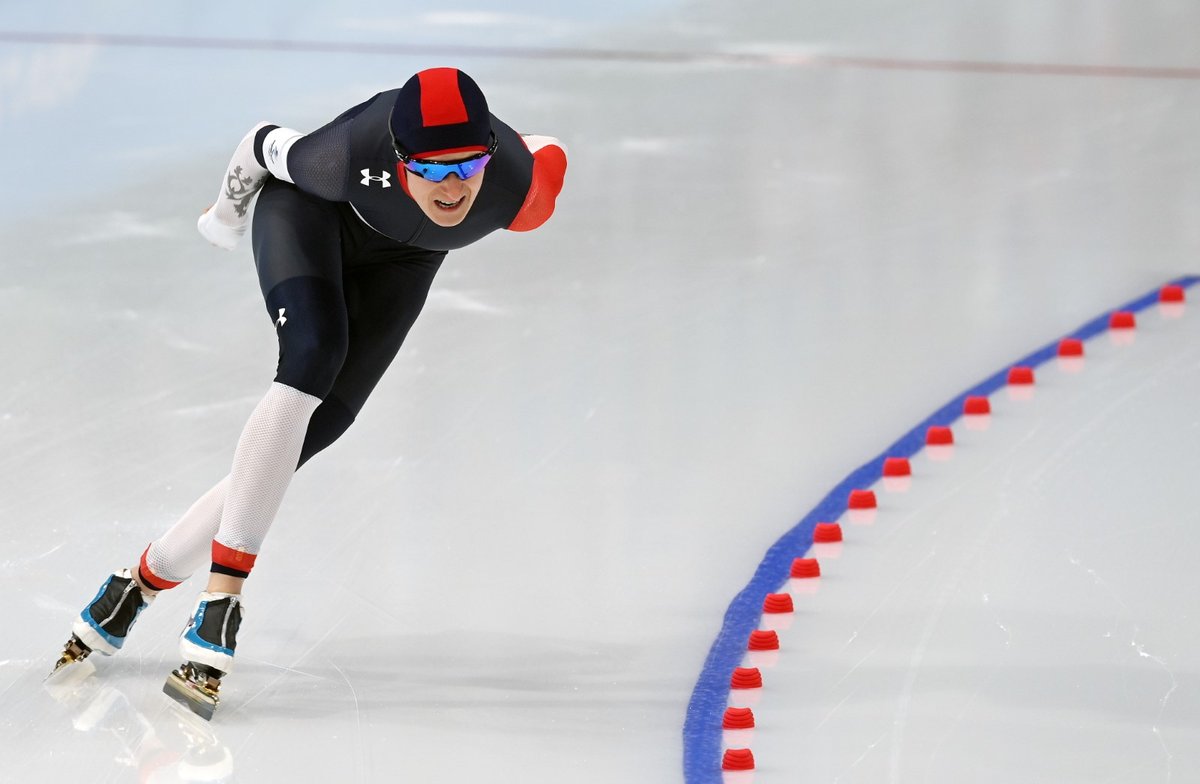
pixel 702 727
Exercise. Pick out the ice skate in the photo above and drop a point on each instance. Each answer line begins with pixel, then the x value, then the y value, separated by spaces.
pixel 207 646
pixel 105 623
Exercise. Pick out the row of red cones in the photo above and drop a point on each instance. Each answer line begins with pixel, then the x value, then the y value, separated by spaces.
pixel 807 568
pixel 745 678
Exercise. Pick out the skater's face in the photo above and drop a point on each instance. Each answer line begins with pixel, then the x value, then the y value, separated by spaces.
pixel 446 203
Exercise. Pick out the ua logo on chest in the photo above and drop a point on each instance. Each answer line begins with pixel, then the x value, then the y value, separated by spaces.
pixel 383 178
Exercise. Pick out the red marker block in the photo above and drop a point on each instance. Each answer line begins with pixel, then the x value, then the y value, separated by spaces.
pixel 939 436
pixel 825 533
pixel 1020 375
pixel 746 678
pixel 763 641
pixel 1070 347
pixel 1171 294
pixel 975 406
pixel 778 603
pixel 897 466
pixel 737 759
pixel 806 567
pixel 1122 319
pixel 861 499
pixel 738 719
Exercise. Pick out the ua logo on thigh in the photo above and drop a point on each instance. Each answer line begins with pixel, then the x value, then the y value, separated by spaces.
pixel 282 318
pixel 382 179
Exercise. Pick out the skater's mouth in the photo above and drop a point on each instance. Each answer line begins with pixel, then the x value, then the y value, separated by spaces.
pixel 450 205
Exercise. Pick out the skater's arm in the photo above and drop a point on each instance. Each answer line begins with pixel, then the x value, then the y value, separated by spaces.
pixel 261 152
pixel 267 150
pixel 224 223
pixel 549 168
pixel 316 162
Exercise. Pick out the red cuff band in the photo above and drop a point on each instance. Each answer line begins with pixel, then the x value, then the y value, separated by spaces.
pixel 152 581
pixel 232 559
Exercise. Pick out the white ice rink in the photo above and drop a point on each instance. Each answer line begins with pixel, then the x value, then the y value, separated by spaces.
pixel 789 233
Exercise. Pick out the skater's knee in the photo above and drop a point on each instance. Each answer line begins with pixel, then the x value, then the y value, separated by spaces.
pixel 310 319
pixel 310 365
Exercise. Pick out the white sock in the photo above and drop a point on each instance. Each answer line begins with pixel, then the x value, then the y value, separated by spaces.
pixel 263 466
pixel 187 546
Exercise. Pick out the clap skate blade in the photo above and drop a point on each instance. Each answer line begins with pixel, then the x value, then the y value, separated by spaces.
pixel 195 687
pixel 73 652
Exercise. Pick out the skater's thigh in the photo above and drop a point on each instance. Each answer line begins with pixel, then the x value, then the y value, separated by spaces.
pixel 383 300
pixel 298 251
pixel 295 235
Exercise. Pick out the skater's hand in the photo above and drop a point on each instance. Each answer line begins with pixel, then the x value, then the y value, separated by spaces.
pixel 226 220
pixel 217 232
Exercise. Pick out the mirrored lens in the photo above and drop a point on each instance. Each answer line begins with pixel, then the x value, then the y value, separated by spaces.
pixel 436 172
pixel 470 168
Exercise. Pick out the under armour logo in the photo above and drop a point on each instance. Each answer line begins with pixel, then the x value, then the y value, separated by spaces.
pixel 383 179
pixel 282 318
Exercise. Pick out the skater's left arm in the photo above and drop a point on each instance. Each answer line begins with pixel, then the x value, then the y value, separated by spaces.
pixel 549 168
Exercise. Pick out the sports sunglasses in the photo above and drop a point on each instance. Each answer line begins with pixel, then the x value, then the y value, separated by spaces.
pixel 436 171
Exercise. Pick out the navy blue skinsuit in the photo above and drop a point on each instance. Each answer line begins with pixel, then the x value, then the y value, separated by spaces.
pixel 345 257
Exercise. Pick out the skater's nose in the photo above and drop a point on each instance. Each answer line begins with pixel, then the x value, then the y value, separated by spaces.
pixel 453 185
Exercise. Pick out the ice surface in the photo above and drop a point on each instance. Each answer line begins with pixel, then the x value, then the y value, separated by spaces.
pixel 1020 611
pixel 511 568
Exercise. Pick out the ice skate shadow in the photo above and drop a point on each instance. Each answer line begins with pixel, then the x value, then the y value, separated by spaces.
pixel 431 680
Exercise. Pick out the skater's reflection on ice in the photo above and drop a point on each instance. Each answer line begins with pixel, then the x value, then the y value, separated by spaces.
pixel 176 747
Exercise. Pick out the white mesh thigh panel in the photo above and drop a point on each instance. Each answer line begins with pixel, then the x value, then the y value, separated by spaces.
pixel 179 552
pixel 263 466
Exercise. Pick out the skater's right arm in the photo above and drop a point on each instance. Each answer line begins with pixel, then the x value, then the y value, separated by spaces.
pixel 224 223
pixel 317 163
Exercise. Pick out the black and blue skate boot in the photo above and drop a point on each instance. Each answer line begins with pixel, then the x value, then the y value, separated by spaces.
pixel 207 646
pixel 105 622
